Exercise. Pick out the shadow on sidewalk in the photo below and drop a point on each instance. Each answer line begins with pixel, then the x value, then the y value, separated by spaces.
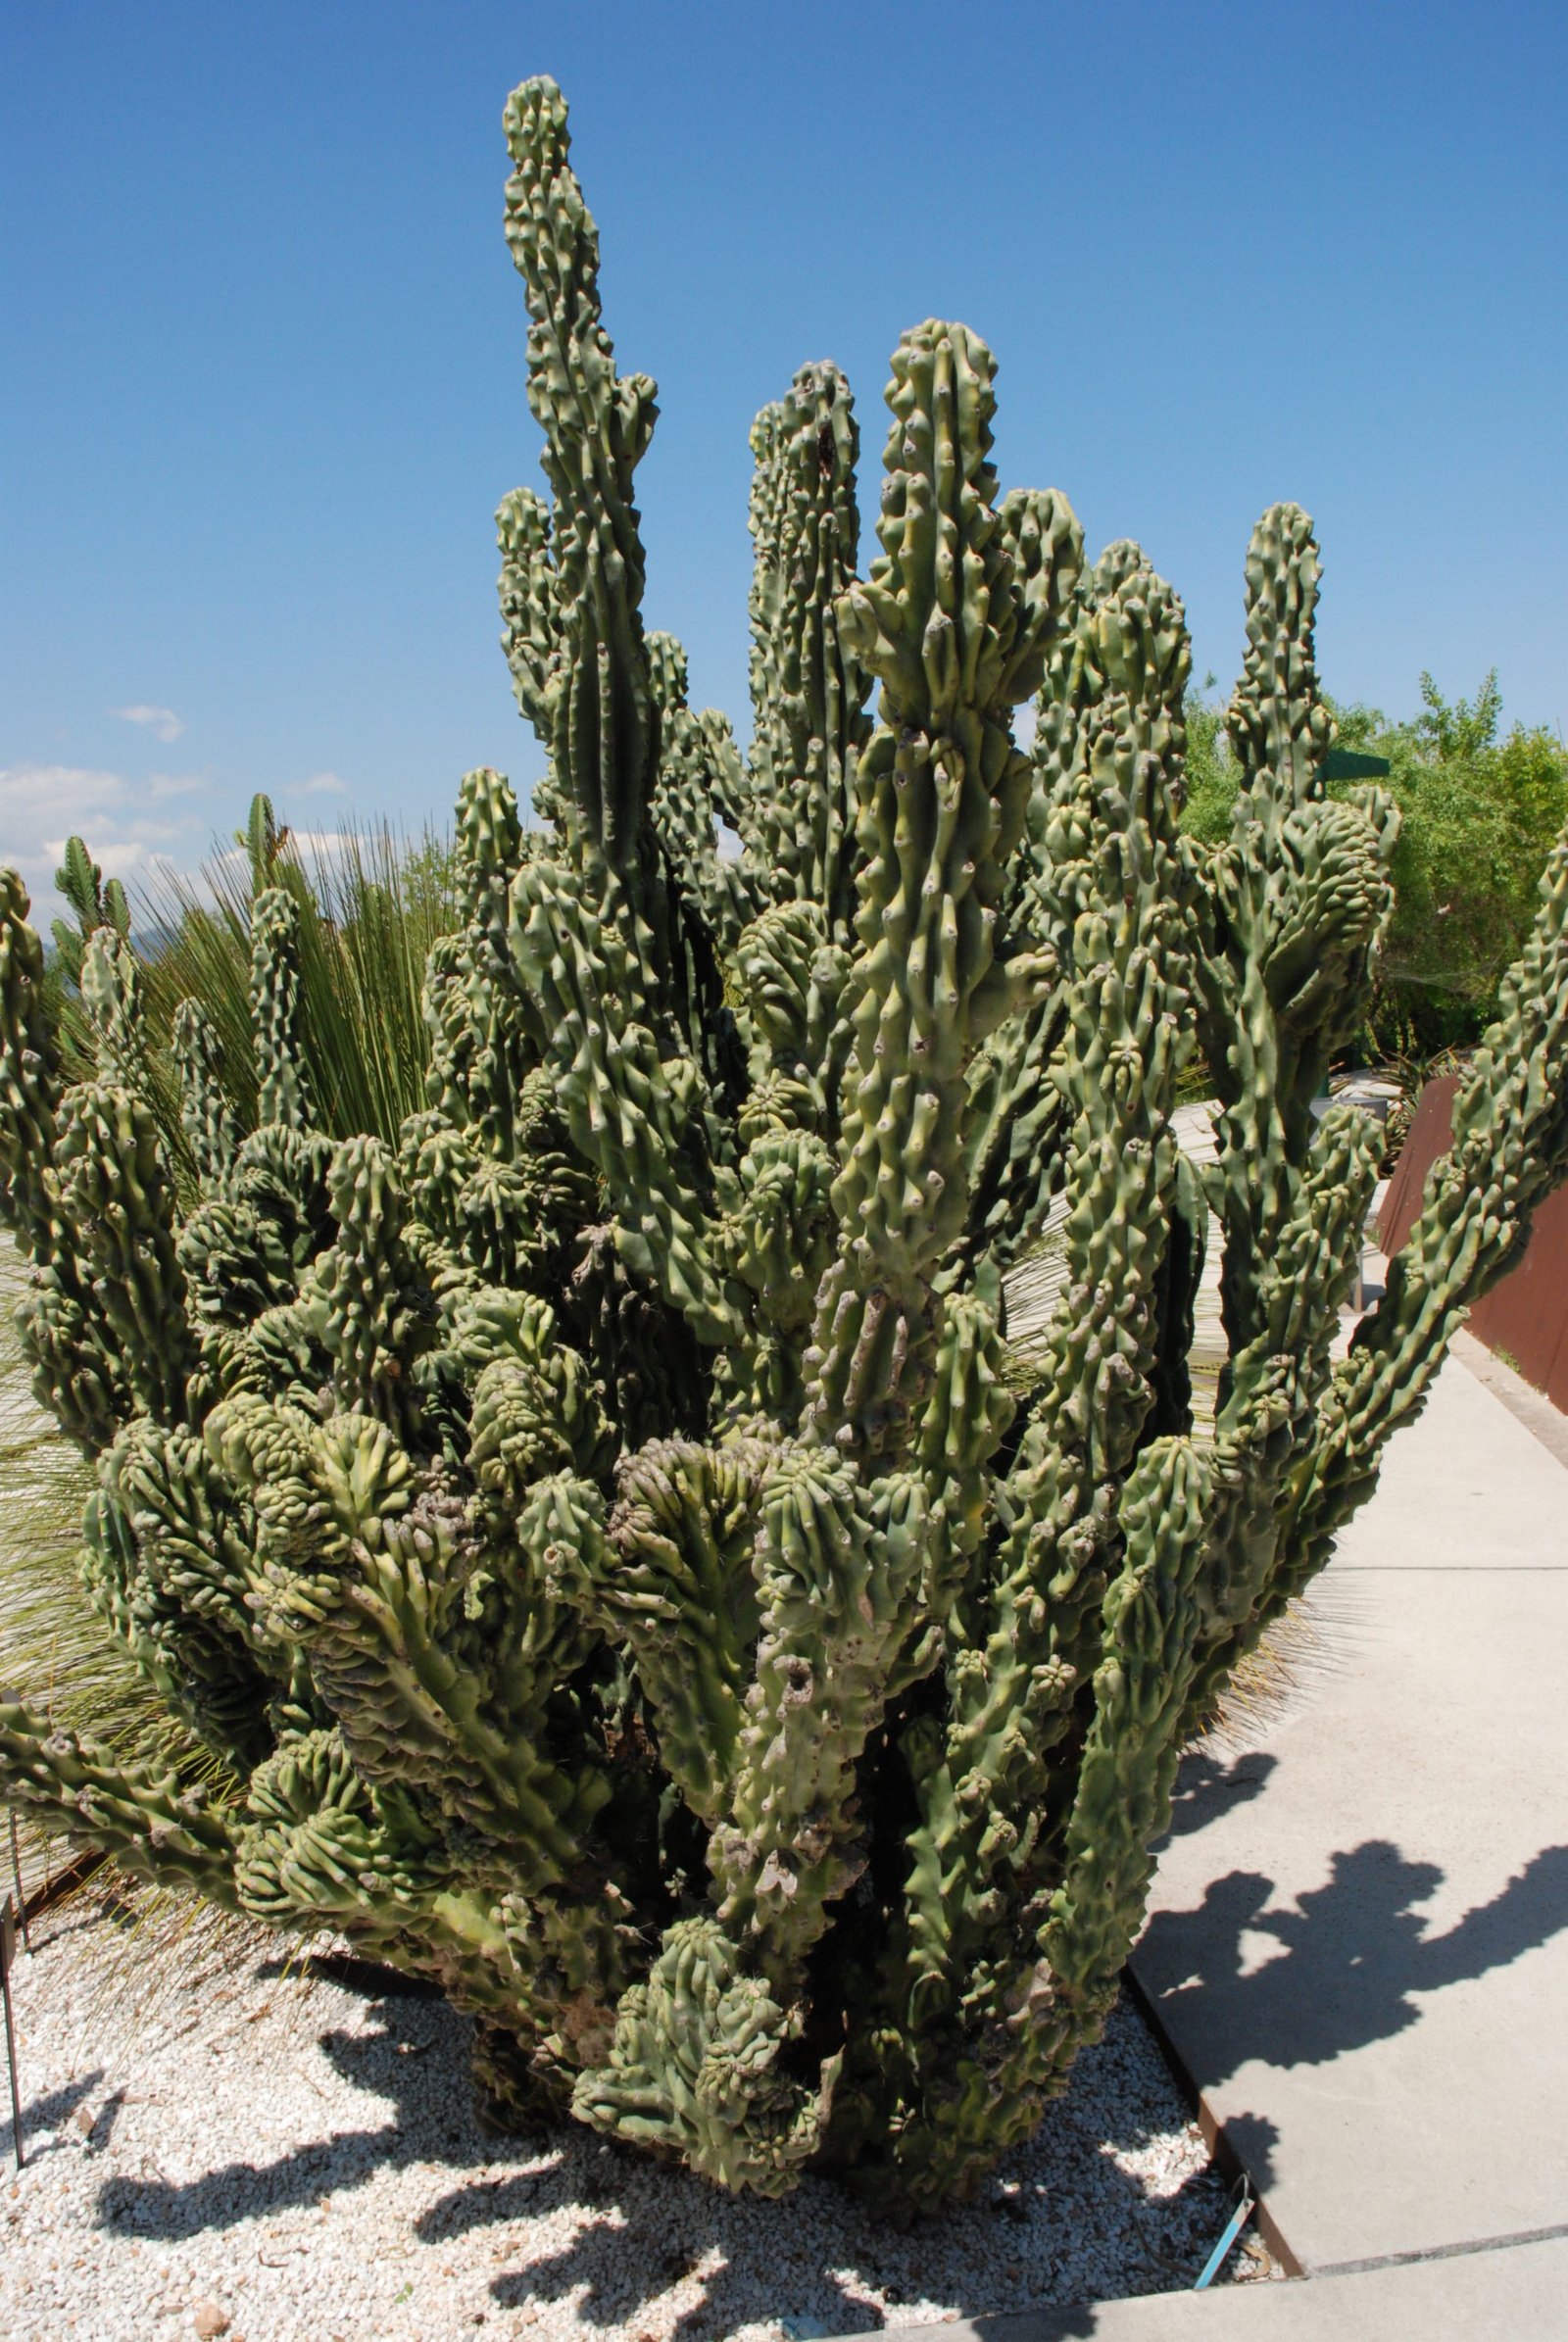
pixel 1354 1954
pixel 1208 1784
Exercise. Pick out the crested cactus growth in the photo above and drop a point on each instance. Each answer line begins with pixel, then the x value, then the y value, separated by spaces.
pixel 614 1543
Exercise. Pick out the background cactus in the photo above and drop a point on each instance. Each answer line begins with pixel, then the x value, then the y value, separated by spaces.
pixel 616 1553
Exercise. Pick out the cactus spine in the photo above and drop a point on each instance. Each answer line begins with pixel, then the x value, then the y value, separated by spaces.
pixel 620 1559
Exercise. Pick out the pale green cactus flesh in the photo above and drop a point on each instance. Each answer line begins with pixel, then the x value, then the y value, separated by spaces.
pixel 612 1548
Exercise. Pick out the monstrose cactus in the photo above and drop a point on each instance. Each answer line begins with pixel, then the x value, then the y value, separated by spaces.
pixel 617 1544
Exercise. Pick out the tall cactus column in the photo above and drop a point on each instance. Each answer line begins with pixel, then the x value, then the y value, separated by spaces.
pixel 986 2004
pixel 809 686
pixel 955 620
pixel 1297 900
pixel 596 424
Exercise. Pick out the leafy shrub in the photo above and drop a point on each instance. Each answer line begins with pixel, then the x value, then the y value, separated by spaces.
pixel 1479 810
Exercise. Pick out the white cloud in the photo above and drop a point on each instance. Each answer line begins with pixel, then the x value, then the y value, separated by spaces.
pixel 150 836
pixel 124 827
pixel 68 791
pixel 135 829
pixel 117 858
pixel 162 722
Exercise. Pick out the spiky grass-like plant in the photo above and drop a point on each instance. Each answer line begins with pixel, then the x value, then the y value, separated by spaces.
pixel 370 904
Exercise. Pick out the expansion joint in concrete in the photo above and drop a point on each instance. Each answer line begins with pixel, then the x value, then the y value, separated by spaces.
pixel 1440 2252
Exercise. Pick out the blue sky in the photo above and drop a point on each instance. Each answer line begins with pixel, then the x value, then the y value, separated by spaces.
pixel 263 377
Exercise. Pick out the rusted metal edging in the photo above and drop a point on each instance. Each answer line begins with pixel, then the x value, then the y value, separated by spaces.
pixel 1227 2162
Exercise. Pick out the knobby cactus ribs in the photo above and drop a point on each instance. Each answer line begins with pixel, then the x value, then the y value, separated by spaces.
pixel 608 1544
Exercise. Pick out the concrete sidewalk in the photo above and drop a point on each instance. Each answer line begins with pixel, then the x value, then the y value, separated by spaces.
pixel 1359 1940
pixel 1520 2295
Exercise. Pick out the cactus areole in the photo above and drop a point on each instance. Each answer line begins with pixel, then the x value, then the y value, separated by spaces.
pixel 620 1556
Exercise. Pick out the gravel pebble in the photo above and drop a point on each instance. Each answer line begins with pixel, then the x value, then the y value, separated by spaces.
pixel 212 2137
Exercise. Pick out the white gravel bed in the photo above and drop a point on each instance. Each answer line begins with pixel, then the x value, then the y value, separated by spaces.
pixel 210 2139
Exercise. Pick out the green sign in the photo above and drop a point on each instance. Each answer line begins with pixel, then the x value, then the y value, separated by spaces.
pixel 1348 764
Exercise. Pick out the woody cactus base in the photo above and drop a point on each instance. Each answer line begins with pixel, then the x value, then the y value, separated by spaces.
pixel 623 1569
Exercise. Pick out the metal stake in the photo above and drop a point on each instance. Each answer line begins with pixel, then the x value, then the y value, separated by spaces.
pixel 8 1952
pixel 1242 2204
pixel 16 1873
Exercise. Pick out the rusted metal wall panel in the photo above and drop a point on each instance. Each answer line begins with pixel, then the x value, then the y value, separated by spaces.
pixel 1431 1131
pixel 1526 1314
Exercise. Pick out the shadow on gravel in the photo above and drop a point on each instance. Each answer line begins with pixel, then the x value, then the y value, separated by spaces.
pixel 627 2265
pixel 645 2230
pixel 1353 1955
pixel 645 2242
pixel 381 2058
pixel 41 2115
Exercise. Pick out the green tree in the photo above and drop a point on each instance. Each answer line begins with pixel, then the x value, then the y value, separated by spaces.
pixel 1213 775
pixel 1479 810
